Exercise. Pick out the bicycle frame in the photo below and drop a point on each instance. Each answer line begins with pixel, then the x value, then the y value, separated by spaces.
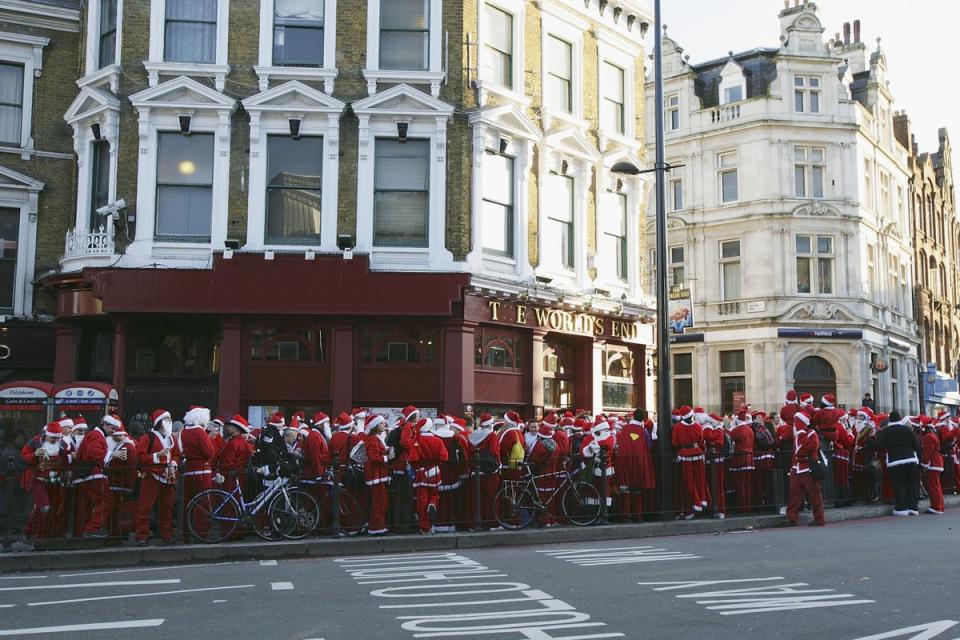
pixel 249 509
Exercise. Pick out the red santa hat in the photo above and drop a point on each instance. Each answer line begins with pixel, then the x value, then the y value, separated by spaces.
pixel 54 430
pixel 943 417
pixel 545 431
pixel 512 419
pixel 742 417
pixel 568 420
pixel 459 424
pixel 159 416
pixel 277 420
pixel 865 413
pixel 582 424
pixel 806 398
pixel 685 414
pixel 358 413
pixel 410 413
pixel 113 420
pixel 220 421
pixel 299 423
pixel 791 397
pixel 829 401
pixel 294 425
pixel 66 423
pixel 344 421
pixel 119 430
pixel 801 418
pixel 486 420
pixel 551 421
pixel 425 425
pixel 759 416
pixel 372 422
pixel 320 418
pixel 716 418
pixel 240 422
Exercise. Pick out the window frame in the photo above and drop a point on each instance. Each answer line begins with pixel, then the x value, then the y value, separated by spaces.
pixel 429 188
pixel 731 375
pixel 671 110
pixel 433 75
pixel 617 128
pixel 804 91
pixel 723 262
pixel 516 92
pixel 26 51
pixel 607 353
pixel 157 184
pixel 673 265
pixel 676 189
pixel 816 258
pixel 725 170
pixel 157 65
pixel 622 257
pixel 95 70
pixel 511 224
pixel 682 377
pixel 804 184
pixel 572 33
pixel 571 256
pixel 21 193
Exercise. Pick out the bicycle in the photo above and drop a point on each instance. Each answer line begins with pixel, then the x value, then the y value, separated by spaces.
pixel 214 514
pixel 517 503
pixel 351 517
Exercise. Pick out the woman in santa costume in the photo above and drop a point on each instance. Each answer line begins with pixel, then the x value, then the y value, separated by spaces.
pixel 512 449
pixel 426 456
pixel 688 441
pixel 232 463
pixel 931 460
pixel 741 465
pixel 806 447
pixel 121 466
pixel 316 455
pixel 376 472
pixel 157 453
pixel 633 465
pixel 45 459
pixel 342 442
pixel 485 451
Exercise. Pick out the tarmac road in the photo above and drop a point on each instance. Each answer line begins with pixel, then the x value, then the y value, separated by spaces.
pixel 854 580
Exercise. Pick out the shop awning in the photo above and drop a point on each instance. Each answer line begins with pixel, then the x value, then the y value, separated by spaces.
pixel 78 395
pixel 25 395
pixel 951 398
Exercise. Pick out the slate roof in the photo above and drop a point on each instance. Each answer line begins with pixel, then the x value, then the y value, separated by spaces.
pixel 760 70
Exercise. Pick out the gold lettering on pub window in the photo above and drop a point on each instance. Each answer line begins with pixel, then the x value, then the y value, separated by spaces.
pixel 521 314
pixel 494 310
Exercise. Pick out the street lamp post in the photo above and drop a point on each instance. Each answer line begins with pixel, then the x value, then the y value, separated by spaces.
pixel 660 168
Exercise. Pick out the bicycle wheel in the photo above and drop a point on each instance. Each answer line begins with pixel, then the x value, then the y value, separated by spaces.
pixel 212 516
pixel 293 515
pixel 581 503
pixel 514 507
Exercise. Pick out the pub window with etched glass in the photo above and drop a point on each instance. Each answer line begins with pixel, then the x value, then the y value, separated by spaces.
pixel 286 341
pixel 294 189
pixel 809 169
pixel 559 373
pixel 11 103
pixel 498 46
pixel 732 381
pixel 190 31
pixel 619 390
pixel 298 33
pixel 401 193
pixel 184 186
pixel 498 349
pixel 9 248
pixel 398 346
pixel 815 264
pixel 405 35
pixel 498 204
pixel 683 379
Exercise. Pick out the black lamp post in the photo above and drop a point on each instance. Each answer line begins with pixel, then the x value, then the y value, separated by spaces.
pixel 664 404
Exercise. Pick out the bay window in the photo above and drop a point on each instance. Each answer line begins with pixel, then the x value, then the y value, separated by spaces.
pixel 498 204
pixel 184 186
pixel 294 189
pixel 401 193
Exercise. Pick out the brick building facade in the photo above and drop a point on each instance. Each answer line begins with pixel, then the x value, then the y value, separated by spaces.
pixel 321 204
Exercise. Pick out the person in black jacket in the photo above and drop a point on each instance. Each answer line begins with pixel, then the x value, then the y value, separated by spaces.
pixel 273 456
pixel 902 448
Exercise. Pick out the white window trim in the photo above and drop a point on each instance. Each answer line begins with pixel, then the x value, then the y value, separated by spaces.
pixel 808 165
pixel 266 71
pixel 433 76
pixel 156 66
pixel 489 127
pixel 666 112
pixel 606 52
pixel 570 30
pixel 723 261
pixel 109 73
pixel 721 170
pixel 105 112
pixel 572 147
pixel 633 188
pixel 210 112
pixel 731 76
pixel 814 256
pixel 322 118
pixel 427 118
pixel 21 192
pixel 516 95
pixel 28 51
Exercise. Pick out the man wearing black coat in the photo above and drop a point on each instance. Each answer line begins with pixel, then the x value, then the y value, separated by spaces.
pixel 902 449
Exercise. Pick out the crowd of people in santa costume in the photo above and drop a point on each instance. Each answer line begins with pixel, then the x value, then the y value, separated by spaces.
pixel 420 473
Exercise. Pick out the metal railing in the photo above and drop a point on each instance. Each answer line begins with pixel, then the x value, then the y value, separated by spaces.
pixel 81 243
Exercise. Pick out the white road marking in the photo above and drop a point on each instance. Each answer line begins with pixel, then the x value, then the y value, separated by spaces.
pixel 116 583
pixel 219 601
pixel 164 568
pixel 96 626
pixel 6 606
pixel 617 555
pixel 919 632
pixel 281 586
pixel 268 563
pixel 139 595
pixel 22 577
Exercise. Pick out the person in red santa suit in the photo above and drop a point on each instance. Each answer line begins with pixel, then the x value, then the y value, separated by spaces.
pixel 947 432
pixel 75 495
pixel 45 459
pixel 485 451
pixel 826 419
pixel 789 407
pixel 343 441
pixel 931 461
pixel 426 456
pixel 806 447
pixel 198 453
pixel 376 472
pixel 215 433
pixel 597 450
pixel 451 475
pixel 863 459
pixel 955 421
pixel 688 441
pixel 545 458
pixel 232 462
pixel 714 436
pixel 157 453
pixel 741 466
pixel 401 488
pixel 842 457
pixel 511 436
pixel 764 458
pixel 88 464
pixel 121 466
pixel 316 455
pixel 633 466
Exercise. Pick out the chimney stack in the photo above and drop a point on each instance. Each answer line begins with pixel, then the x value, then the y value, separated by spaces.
pixel 846 33
pixel 856 31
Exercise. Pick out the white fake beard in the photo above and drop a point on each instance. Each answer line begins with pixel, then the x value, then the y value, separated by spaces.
pixel 166 429
pixel 52 448
pixel 77 439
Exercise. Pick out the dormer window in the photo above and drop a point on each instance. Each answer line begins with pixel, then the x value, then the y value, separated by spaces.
pixel 806 94
pixel 733 94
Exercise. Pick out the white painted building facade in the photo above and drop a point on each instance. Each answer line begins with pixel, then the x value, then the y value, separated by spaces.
pixel 788 223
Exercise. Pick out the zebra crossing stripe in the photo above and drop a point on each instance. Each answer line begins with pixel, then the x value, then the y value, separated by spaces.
pixel 617 555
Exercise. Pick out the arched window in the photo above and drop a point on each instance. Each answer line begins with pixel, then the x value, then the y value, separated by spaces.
pixel 815 376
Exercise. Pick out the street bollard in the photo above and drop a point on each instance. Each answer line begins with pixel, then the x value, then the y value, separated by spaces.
pixel 604 488
pixel 477 495
pixel 335 497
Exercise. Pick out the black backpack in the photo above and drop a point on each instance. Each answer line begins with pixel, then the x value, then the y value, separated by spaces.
pixel 455 451
pixel 393 438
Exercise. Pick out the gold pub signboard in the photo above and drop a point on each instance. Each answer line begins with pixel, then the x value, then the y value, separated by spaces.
pixel 556 320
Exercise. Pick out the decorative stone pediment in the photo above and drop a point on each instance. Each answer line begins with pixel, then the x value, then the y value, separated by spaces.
pixel 293 96
pixel 823 311
pixel 10 179
pixel 816 208
pixel 508 118
pixel 572 142
pixel 182 93
pixel 89 104
pixel 402 100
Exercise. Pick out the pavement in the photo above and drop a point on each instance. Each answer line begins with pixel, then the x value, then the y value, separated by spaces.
pixel 857 580
pixel 92 554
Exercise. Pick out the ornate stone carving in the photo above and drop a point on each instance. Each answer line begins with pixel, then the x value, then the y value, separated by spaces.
pixel 816 208
pixel 819 311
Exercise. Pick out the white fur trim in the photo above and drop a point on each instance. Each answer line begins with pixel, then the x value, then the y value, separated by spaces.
pixel 198 416
pixel 110 420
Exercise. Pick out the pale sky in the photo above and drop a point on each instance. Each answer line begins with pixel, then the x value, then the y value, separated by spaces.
pixel 919 39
